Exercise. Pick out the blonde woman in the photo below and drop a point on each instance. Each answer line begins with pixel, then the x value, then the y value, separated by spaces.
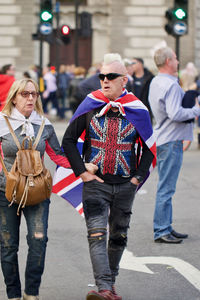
pixel 24 111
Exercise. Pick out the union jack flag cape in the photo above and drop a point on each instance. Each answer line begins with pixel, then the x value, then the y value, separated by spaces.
pixel 65 183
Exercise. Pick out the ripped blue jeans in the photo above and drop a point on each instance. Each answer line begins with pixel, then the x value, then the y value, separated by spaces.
pixel 37 223
pixel 107 204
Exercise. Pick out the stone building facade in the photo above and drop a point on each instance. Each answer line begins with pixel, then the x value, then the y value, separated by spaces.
pixel 130 27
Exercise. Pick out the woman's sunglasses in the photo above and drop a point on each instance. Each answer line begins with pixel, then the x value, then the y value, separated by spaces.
pixel 109 76
pixel 26 94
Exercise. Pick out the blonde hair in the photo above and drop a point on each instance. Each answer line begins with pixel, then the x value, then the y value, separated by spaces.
pixel 161 56
pixel 79 71
pixel 112 57
pixel 17 87
pixel 62 68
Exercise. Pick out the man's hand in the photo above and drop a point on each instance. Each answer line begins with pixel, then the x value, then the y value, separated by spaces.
pixel 91 168
pixel 134 181
pixel 87 176
pixel 197 102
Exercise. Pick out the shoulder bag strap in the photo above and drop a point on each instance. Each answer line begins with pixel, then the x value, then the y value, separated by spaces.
pixel 12 132
pixel 39 134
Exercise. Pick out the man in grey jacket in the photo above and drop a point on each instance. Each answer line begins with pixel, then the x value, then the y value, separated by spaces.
pixel 165 97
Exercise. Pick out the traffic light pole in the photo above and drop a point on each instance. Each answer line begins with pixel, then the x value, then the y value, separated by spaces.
pixel 178 48
pixel 57 11
pixel 44 29
pixel 41 82
pixel 76 46
pixel 41 51
pixel 41 54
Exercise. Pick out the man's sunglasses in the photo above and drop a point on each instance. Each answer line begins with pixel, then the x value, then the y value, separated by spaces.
pixel 109 76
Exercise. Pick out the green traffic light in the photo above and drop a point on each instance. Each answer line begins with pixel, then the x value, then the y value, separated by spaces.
pixel 180 13
pixel 46 16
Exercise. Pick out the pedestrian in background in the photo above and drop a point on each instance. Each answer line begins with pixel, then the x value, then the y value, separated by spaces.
pixel 7 77
pixel 188 77
pixel 165 97
pixel 129 67
pixel 34 72
pixel 26 74
pixel 189 81
pixel 79 76
pixel 8 70
pixel 88 85
pixel 112 131
pixel 93 70
pixel 63 79
pixel 24 111
pixel 141 81
pixel 49 95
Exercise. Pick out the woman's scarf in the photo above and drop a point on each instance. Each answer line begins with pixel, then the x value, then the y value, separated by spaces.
pixel 17 119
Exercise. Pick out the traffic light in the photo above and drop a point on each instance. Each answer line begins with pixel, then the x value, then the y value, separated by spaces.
pixel 46 14
pixel 181 10
pixel 177 18
pixel 85 24
pixel 170 19
pixel 65 34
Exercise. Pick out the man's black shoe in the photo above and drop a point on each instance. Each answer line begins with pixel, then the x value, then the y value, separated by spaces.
pixel 168 239
pixel 179 235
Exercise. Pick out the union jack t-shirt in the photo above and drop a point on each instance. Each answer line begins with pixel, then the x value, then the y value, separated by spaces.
pixel 111 140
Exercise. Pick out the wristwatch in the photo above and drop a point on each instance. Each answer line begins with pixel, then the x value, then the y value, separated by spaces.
pixel 139 178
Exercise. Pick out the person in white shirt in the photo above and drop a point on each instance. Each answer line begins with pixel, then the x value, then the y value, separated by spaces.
pixel 165 97
pixel 49 95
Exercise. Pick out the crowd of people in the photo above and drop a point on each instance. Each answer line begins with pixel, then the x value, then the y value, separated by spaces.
pixel 65 89
pixel 118 100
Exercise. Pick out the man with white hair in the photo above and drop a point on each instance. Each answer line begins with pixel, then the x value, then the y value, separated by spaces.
pixel 171 129
pixel 114 120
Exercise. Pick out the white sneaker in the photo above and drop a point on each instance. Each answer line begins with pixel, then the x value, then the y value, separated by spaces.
pixel 29 297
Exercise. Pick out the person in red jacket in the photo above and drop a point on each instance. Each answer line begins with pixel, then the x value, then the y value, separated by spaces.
pixel 6 80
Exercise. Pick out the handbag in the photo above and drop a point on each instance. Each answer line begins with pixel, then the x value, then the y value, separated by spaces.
pixel 28 182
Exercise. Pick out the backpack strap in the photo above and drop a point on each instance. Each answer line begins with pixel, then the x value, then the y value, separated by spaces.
pixel 12 132
pixel 16 139
pixel 3 166
pixel 39 134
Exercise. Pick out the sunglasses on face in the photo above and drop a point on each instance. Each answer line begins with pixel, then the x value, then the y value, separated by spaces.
pixel 109 76
pixel 26 94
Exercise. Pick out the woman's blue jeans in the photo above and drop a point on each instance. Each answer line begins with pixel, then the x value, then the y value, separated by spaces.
pixel 107 204
pixel 169 161
pixel 37 223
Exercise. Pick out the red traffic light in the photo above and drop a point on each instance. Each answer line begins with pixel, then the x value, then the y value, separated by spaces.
pixel 65 29
pixel 65 34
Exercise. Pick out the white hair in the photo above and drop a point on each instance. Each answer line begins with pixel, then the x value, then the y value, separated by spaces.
pixel 111 57
pixel 161 55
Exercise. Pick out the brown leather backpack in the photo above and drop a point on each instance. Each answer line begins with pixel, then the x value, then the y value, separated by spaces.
pixel 28 182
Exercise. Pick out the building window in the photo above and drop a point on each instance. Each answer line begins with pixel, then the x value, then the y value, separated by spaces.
pixel 73 2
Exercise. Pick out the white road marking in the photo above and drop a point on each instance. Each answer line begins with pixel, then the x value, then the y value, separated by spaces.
pixel 131 262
